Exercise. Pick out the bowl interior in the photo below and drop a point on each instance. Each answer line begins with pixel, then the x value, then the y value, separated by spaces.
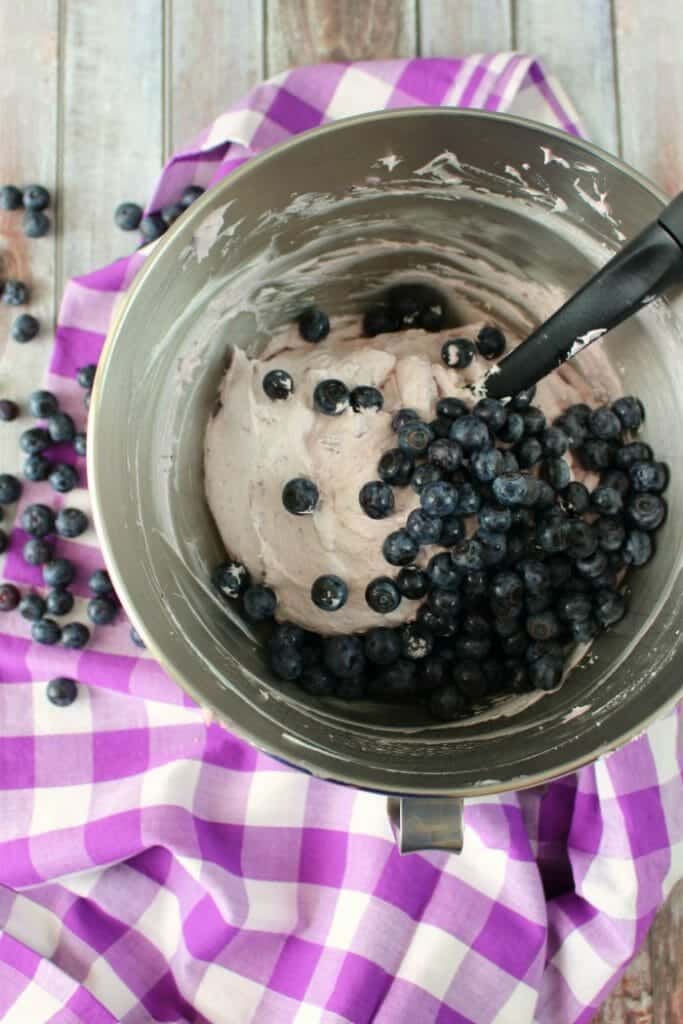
pixel 475 206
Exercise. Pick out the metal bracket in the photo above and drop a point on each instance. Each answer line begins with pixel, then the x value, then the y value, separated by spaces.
pixel 424 823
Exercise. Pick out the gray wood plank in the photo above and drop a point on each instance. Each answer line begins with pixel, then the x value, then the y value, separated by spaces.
pixel 29 154
pixel 650 76
pixel 449 29
pixel 112 122
pixel 211 61
pixel 307 31
pixel 574 38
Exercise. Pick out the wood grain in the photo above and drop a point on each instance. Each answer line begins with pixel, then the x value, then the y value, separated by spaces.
pixel 450 29
pixel 307 31
pixel 112 122
pixel 666 955
pixel 574 38
pixel 650 77
pixel 211 61
pixel 631 1001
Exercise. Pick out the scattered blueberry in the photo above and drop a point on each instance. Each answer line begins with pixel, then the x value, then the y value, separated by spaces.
pixel 80 443
pixel 468 500
pixel 382 595
pixel 424 528
pixel 574 607
pixel 557 473
pixel 529 452
pixel 491 342
pixel 278 385
pixel 59 572
pixel 646 511
pixel 395 467
pixel 470 432
pixel 36 467
pixel 101 611
pixel 635 451
pixel 314 325
pixel 649 476
pixel 451 408
pixel 583 539
pixel 469 679
pixel 10 489
pixel 61 428
pixel 458 353
pixel 14 293
pixel 443 572
pixel 46 631
pixel 440 426
pixel 413 583
pixel 445 603
pixel 380 320
pixel 63 477
pixel 35 197
pixel 534 421
pixel 85 376
pixel 99 583
pixel 492 412
pixel 407 301
pixel 134 635
pixel 25 328
pixel 38 520
pixel 61 692
pixel 32 607
pixel 506 595
pixel 607 500
pixel 9 410
pixel 170 213
pixel 609 607
pixel 469 555
pixel 190 194
pixel 9 597
pixel 400 548
pixel 300 496
pixel 611 533
pixel 415 437
pixel 402 417
pixel 575 498
pixel 259 602
pixel 127 216
pixel 152 226
pixel 512 489
pixel 329 593
pixel 230 579
pixel 75 635
pixel 59 602
pixel 396 682
pixel 10 198
pixel 364 397
pixel 593 565
pixel 35 440
pixel 498 520
pixel 36 224
pixel 376 498
pixel 71 522
pixel 331 397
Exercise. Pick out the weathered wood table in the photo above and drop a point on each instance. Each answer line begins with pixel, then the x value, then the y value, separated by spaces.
pixel 94 95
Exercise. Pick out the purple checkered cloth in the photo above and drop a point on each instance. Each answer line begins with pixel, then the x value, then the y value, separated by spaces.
pixel 154 868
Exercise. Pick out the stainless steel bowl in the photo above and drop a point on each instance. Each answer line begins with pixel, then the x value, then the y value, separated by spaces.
pixel 331 214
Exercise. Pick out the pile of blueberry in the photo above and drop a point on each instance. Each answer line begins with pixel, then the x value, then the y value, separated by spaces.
pixel 129 216
pixel 522 563
pixel 34 201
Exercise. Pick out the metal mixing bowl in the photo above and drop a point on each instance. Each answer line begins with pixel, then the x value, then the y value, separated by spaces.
pixel 331 216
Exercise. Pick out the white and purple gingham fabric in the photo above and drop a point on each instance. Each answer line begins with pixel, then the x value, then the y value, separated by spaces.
pixel 156 869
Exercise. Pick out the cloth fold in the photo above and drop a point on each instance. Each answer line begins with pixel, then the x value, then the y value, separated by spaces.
pixel 154 868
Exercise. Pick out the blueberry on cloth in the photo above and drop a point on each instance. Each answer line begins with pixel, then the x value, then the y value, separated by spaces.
pixel 458 353
pixel 61 428
pixel 259 602
pixel 376 498
pixel 9 597
pixel 24 328
pixel 314 325
pixel 59 602
pixel 331 397
pixel 46 631
pixel 191 193
pixel 99 583
pixel 32 607
pixel 10 197
pixel 170 213
pixel 35 197
pixel 63 477
pixel 34 440
pixel 300 496
pixel 36 224
pixel 134 635
pixel 365 397
pixel 400 548
pixel 9 410
pixel 491 342
pixel 61 691
pixel 152 226
pixel 38 520
pixel 37 551
pixel 59 572
pixel 101 611
pixel 71 522
pixel 85 375
pixel 278 385
pixel 329 592
pixel 75 635
pixel 80 443
pixel 230 578
pixel 14 293
pixel 382 595
pixel 10 489
pixel 127 216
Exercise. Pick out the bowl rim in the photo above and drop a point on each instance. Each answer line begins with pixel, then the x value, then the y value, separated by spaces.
pixel 343 772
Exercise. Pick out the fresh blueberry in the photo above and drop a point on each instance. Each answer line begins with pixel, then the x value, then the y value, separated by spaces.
pixel 32 607
pixel 38 520
pixel 75 635
pixel 584 630
pixel 230 579
pixel 300 496
pixel 475 587
pixel 170 213
pixel 447 704
pixel 99 583
pixel 543 626
pixel 469 679
pixel 331 397
pixel 190 194
pixel 490 342
pixel 35 224
pixel 10 197
pixel 523 399
pixel 607 500
pixel 382 646
pixel 468 500
pixel 343 655
pixel 402 417
pixel 630 412
pixel 604 424
pixel 413 583
pixel 510 463
pixel 25 328
pixel 287 634
pixel 458 353
pixel 14 293
pixel 259 602
pixel 376 499
pixel 37 551
pixel 329 593
pixel 512 489
pixel 286 662
pixel 424 475
pixel 63 477
pixel 529 452
pixel 35 197
pixel 513 429
pixel 59 602
pixel 407 301
pixel 514 645
pixel 609 607
pixel 554 441
pixel 314 325
pixel 628 454
pixel 540 602
pixel 559 568
pixel 9 597
pixel 445 453
pixel 469 555
pixel 46 631
pixel 574 427
pixel 592 566
pixel 476 624
pixel 470 432
pixel 396 682
pixel 452 531
pixel 451 408
pixel 380 320
pixel 494 546
pixel 59 572
pixel 80 443
pixel 415 437
pixel 445 603
pixel 649 476
pixel 442 626
pixel 416 642
pixel 487 464
pixel 35 440
pixel 545 672
pixel 152 226
pixel 617 479
pixel 127 216
pixel 10 489
pixel 432 318
pixel 583 539
pixel 611 533
pixel 575 498
pixel 71 522
pixel 61 691
pixel 439 499
pixel 506 595
pixel 434 672
pixel 61 428
pixel 424 528
pixel 85 376
pixel 364 397
pixel 317 680
pixel 492 412
pixel 646 511
pixel 440 427
pixel 443 573
pixel 382 595
pixel 534 421
pixel 472 648
pixel 400 548
pixel 573 607
pixel 101 611
pixel 595 455
pixel 497 520
pixel 395 467
pixel 134 635
pixel 553 535
pixel 278 385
